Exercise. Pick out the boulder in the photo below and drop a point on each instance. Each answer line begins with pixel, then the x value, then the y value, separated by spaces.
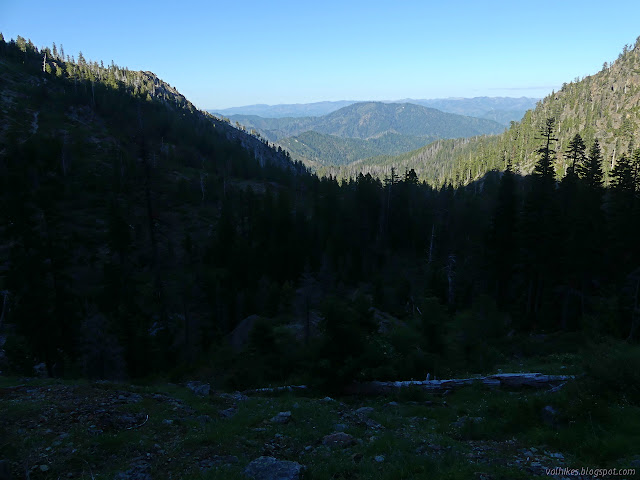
pixel 236 396
pixel 365 411
pixel 282 418
pixel 40 370
pixel 227 413
pixel 550 416
pixel 270 468
pixel 199 388
pixel 239 337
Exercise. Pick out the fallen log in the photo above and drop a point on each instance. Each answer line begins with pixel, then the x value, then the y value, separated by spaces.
pixel 286 388
pixel 511 380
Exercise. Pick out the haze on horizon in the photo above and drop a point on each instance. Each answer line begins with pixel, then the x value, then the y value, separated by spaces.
pixel 225 54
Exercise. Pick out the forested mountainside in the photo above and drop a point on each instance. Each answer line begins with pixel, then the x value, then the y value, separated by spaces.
pixel 604 106
pixel 372 119
pixel 317 149
pixel 362 130
pixel 110 179
pixel 142 237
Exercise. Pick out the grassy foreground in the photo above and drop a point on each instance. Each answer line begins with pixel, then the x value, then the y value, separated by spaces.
pixel 70 429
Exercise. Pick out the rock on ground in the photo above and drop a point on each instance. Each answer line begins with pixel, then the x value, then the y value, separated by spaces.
pixel 282 417
pixel 199 388
pixel 270 468
pixel 365 410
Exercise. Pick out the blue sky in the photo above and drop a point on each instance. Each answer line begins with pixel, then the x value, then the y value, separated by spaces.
pixel 231 53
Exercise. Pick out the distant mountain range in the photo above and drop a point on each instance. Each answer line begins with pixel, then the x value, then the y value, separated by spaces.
pixel 500 109
pixel 286 110
pixel 362 130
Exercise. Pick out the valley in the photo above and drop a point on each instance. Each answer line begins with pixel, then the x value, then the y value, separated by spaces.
pixel 160 266
pixel 362 130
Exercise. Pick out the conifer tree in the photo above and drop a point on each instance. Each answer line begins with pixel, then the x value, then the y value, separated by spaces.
pixel 575 154
pixel 540 228
pixel 591 170
pixel 544 168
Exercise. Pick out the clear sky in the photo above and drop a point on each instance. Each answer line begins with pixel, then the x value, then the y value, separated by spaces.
pixel 231 53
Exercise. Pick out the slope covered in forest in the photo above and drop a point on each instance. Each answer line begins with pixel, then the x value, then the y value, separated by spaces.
pixel 316 149
pixel 366 120
pixel 603 106
pixel 362 130
pixel 111 182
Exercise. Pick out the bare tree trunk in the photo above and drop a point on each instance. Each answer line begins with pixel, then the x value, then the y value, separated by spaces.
pixel 63 157
pixel 635 313
pixel 433 236
pixel 451 276
pixel 307 323
pixel 5 294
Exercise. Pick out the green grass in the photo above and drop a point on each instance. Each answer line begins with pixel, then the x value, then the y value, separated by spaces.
pixel 418 436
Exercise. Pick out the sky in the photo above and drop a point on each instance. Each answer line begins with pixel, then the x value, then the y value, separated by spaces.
pixel 228 53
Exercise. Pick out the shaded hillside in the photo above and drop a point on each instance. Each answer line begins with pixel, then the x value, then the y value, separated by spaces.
pixel 112 185
pixel 603 106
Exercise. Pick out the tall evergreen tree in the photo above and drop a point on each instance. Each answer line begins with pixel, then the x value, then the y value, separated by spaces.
pixel 544 167
pixel 575 154
pixel 591 170
pixel 539 228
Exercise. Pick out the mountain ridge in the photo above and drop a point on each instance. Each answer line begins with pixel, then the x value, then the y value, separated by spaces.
pixel 482 107
pixel 383 125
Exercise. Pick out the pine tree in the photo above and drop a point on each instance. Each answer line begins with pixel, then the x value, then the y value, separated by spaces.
pixel 576 154
pixel 591 170
pixel 540 228
pixel 544 168
pixel 622 178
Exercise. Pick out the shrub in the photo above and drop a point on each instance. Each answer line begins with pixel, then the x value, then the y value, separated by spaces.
pixel 613 370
